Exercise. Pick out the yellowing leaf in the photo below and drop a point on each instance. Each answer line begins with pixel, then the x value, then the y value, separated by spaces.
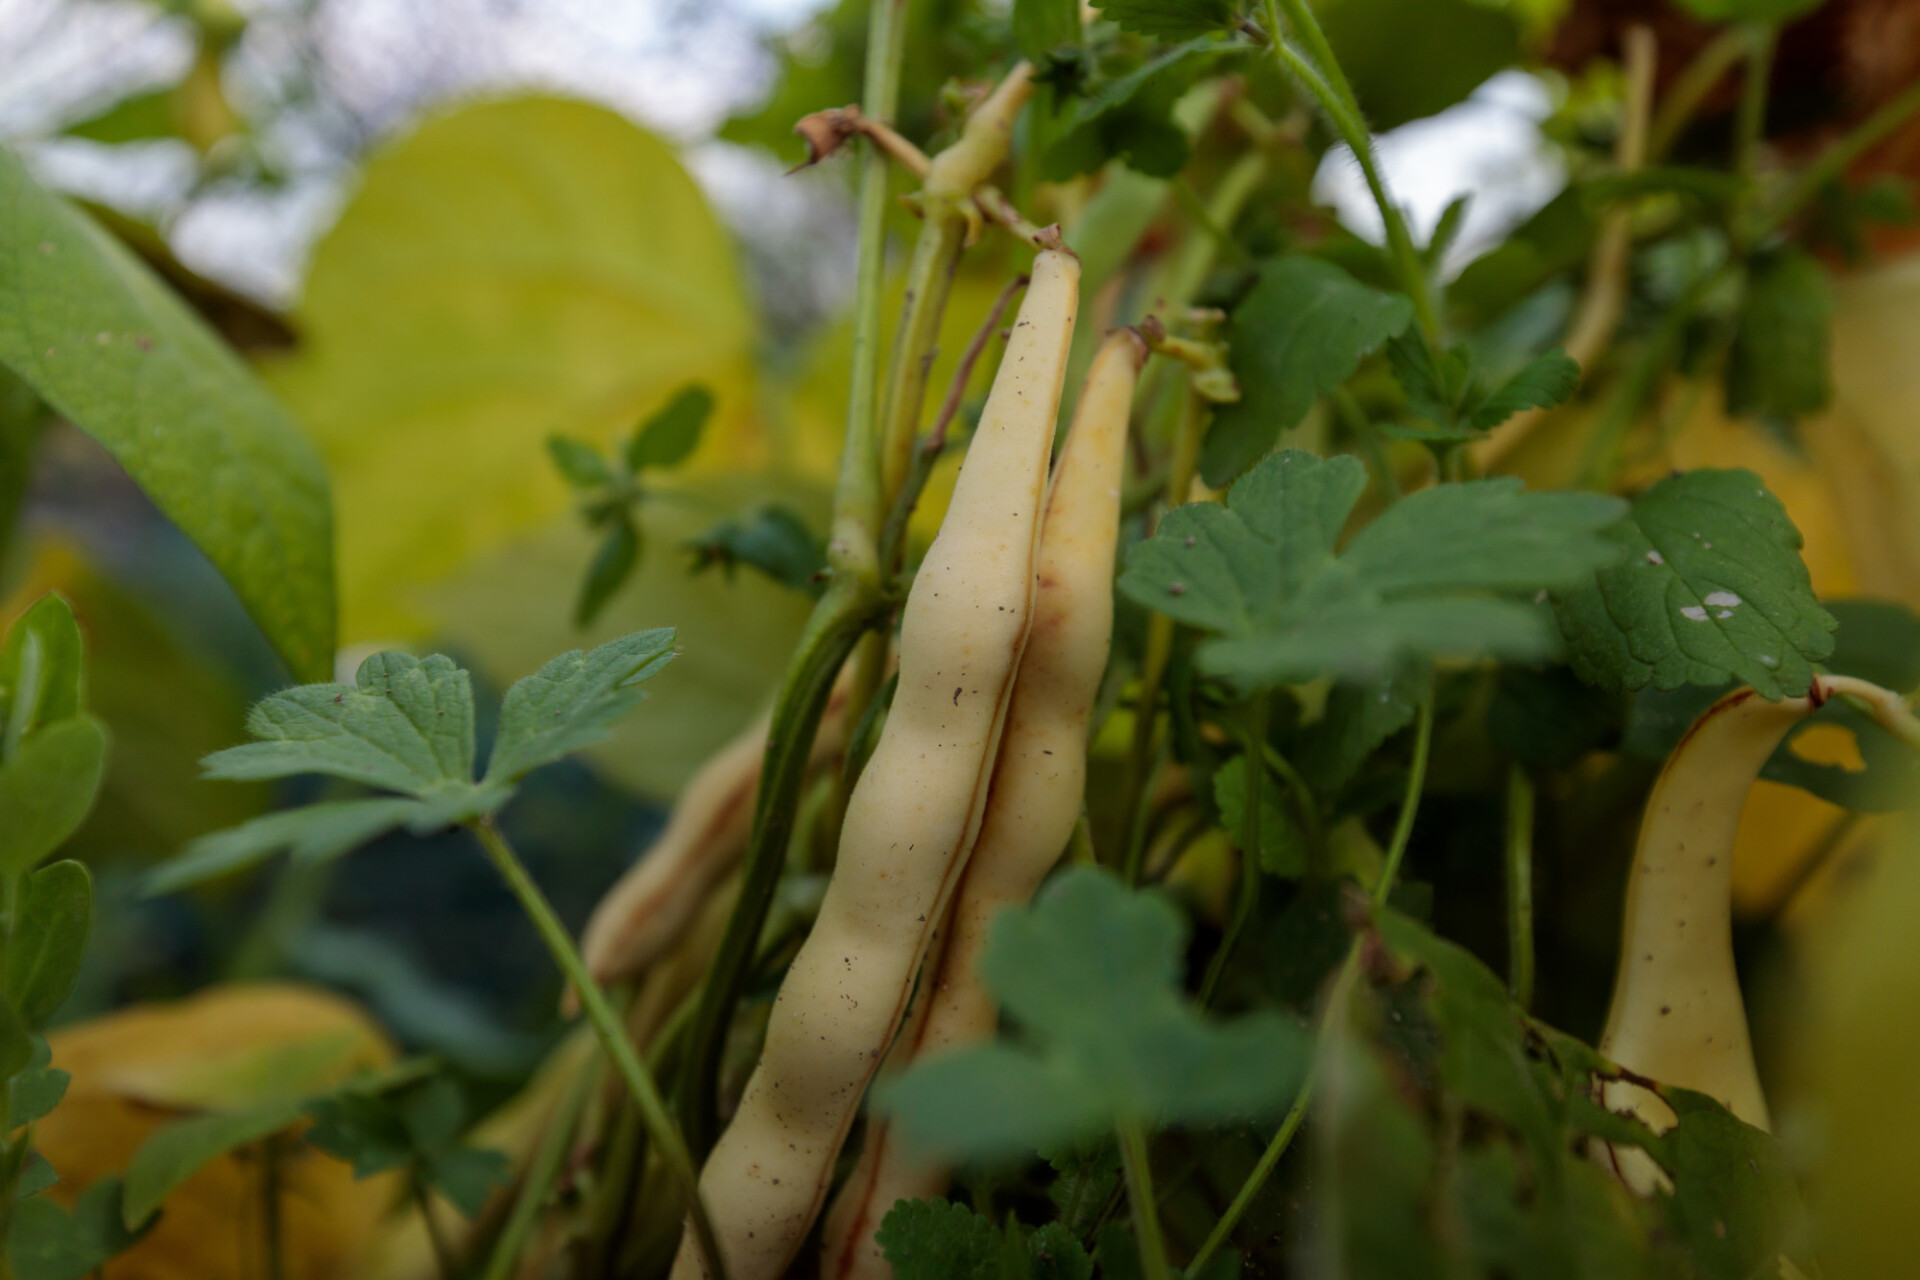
pixel 506 271
pixel 131 1069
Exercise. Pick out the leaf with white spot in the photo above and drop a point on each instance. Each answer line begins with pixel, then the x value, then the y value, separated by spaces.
pixel 1711 588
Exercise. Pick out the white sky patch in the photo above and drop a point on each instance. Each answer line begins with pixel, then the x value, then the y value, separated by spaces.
pixel 1488 146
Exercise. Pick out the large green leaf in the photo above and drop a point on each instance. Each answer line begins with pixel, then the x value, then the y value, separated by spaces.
pixel 1435 575
pixel 46 787
pixel 104 342
pixel 507 270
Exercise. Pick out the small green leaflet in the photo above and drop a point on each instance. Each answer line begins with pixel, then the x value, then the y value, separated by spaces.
pixel 107 345
pixel 936 1240
pixel 1090 973
pixel 771 539
pixel 49 1243
pixel 670 436
pixel 1358 717
pixel 1777 366
pixel 47 787
pixel 1130 116
pixel 1283 844
pixel 41 673
pixel 1168 19
pixel 1432 576
pixel 1299 333
pixel 406 725
pixel 43 953
pixel 416 1123
pixel 579 463
pixel 1710 588
pixel 1446 394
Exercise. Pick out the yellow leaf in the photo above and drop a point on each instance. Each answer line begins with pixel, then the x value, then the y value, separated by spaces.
pixel 507 270
pixel 134 1070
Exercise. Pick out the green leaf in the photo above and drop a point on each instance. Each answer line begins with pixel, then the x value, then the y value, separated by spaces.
pixel 1548 379
pixel 17 1042
pixel 314 833
pixel 609 569
pixel 1711 588
pixel 110 348
pixel 579 463
pixel 1432 576
pixel 41 674
pixel 670 436
pixel 1090 974
pixel 936 1240
pixel 1055 1253
pixel 1169 19
pixel 1777 366
pixel 175 1152
pixel 573 701
pixel 35 1092
pixel 1088 1175
pixel 1547 718
pixel 405 724
pixel 1129 117
pixel 49 939
pixel 771 539
pixel 48 1243
pixel 468 1176
pixel 46 788
pixel 1299 333
pixel 1358 717
pixel 1283 844
pixel 1041 26
pixel 1412 58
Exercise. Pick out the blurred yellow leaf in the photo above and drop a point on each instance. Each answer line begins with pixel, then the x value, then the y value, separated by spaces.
pixel 507 270
pixel 1856 1044
pixel 137 1069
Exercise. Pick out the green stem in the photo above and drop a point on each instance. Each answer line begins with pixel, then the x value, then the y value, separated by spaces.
pixel 443 1258
pixel 1262 1170
pixel 1304 804
pixel 1146 1222
pixel 1691 87
pixel 857 505
pixel 1637 382
pixel 1519 851
pixel 1835 159
pixel 1750 125
pixel 270 1217
pixel 612 1035
pixel 549 1157
pixel 1409 801
pixel 1283 1137
pixel 936 255
pixel 1254 753
pixel 843 614
pixel 1327 84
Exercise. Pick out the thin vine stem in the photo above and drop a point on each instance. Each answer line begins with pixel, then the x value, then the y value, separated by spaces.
pixel 1691 87
pixel 1750 125
pixel 543 1169
pixel 611 1033
pixel 1519 867
pixel 1138 1168
pixel 1296 1113
pixel 1255 775
pixel 1321 76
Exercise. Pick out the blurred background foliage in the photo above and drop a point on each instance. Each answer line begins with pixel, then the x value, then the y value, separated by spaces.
pixel 447 230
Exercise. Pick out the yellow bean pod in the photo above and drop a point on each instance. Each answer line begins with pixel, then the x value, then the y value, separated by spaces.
pixel 1038 781
pixel 912 819
pixel 651 906
pixel 1677 1014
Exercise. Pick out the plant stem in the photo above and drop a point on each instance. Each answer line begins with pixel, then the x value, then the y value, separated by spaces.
pixel 1639 378
pixel 1327 84
pixel 1750 125
pixel 270 1219
pixel 857 505
pixel 1519 850
pixel 607 1027
pixel 1146 1222
pixel 1262 1170
pixel 1691 87
pixel 1409 801
pixel 1254 753
pixel 936 255
pixel 844 613
pixel 443 1259
pixel 549 1157
pixel 1834 160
